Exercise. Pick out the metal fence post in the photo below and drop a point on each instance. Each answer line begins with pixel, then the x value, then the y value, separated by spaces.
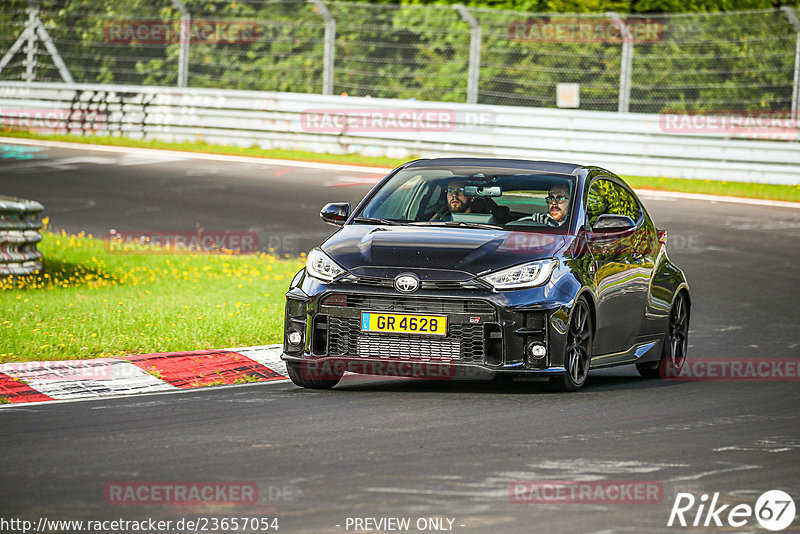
pixel 474 53
pixel 185 38
pixel 51 48
pixel 792 16
pixel 626 63
pixel 32 48
pixel 330 47
pixel 34 27
pixel 14 48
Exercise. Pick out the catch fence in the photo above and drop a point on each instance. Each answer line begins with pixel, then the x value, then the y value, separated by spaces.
pixel 692 63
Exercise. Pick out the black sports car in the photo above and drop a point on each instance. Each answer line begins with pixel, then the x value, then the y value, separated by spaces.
pixel 468 268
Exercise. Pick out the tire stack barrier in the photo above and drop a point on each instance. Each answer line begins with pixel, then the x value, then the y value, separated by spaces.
pixel 19 236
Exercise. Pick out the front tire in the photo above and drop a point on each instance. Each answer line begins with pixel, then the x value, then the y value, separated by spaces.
pixel 675 344
pixel 578 356
pixel 307 376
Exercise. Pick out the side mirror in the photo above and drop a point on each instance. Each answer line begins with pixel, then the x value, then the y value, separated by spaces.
pixel 613 224
pixel 335 213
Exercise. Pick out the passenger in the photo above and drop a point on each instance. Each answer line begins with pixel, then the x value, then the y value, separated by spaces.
pixel 457 201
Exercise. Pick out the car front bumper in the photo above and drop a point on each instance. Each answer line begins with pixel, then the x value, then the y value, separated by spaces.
pixel 489 332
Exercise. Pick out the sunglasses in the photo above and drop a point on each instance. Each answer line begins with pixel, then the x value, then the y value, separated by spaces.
pixel 455 190
pixel 558 198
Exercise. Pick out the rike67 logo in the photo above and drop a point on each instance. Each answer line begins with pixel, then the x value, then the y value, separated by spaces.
pixel 774 510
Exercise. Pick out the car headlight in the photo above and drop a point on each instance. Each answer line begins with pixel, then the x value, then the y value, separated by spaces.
pixel 320 266
pixel 530 274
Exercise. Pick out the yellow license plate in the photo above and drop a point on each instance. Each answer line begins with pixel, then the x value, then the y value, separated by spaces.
pixel 404 323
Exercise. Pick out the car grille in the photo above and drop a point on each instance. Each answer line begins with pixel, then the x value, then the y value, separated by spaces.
pixel 438 284
pixel 464 343
pixel 375 302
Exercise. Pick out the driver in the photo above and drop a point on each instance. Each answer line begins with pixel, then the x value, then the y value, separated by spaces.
pixel 557 204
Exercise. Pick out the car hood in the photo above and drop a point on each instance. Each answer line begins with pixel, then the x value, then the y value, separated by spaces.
pixel 436 252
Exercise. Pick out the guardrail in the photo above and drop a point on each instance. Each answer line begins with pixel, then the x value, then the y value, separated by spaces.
pixel 735 148
pixel 19 235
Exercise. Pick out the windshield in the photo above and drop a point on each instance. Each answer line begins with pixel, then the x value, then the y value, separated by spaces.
pixel 459 196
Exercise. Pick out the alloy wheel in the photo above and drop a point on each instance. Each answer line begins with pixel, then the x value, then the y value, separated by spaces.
pixel 577 357
pixel 678 333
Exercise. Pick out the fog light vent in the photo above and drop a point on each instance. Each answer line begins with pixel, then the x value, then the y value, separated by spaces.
pixel 319 339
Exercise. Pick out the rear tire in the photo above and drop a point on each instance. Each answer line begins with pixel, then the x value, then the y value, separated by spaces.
pixel 675 344
pixel 308 376
pixel 578 356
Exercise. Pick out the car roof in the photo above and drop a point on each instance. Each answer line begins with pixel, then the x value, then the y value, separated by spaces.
pixel 541 166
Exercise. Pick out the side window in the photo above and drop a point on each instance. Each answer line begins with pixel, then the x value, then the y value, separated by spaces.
pixel 607 197
pixel 428 198
pixel 393 203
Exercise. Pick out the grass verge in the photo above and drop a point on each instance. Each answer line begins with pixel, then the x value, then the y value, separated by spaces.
pixel 89 302
pixel 789 193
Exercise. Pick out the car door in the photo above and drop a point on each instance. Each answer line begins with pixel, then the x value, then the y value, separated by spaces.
pixel 622 270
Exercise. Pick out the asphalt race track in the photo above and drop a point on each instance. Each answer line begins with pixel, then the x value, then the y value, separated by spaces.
pixel 395 448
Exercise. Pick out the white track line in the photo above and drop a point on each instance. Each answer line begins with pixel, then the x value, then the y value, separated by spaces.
pixel 197 155
pixel 714 198
pixel 354 168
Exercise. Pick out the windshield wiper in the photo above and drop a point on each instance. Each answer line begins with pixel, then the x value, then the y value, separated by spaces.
pixel 375 220
pixel 463 224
